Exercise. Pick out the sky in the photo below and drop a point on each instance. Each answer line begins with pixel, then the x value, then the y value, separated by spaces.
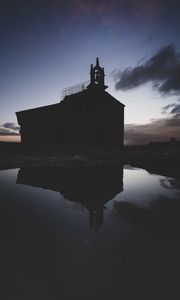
pixel 48 45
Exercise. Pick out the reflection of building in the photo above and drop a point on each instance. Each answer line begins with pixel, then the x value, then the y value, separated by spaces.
pixel 90 186
pixel 87 116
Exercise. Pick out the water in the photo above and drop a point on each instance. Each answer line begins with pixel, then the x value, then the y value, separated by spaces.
pixel 89 234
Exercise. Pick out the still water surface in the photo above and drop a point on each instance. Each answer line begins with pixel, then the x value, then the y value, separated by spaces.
pixel 89 233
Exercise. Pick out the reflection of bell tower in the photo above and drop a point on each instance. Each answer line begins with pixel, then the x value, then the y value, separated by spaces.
pixel 96 217
pixel 97 75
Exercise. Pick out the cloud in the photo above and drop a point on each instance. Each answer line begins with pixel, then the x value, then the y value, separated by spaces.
pixel 173 108
pixel 114 11
pixel 11 126
pixel 176 109
pixel 157 130
pixel 166 108
pixel 162 70
pixel 9 129
pixel 6 132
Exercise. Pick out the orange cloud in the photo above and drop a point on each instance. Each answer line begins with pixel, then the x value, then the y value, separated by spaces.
pixel 10 138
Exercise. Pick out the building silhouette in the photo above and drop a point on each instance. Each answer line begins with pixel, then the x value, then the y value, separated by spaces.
pixel 88 116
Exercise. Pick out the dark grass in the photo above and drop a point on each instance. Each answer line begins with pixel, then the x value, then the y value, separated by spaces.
pixel 159 158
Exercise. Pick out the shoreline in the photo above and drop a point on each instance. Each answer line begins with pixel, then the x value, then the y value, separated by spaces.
pixel 157 159
pixel 159 167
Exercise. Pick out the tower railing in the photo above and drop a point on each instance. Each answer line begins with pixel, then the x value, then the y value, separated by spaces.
pixel 76 88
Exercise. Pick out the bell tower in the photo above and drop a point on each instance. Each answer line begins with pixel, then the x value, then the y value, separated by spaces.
pixel 97 75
